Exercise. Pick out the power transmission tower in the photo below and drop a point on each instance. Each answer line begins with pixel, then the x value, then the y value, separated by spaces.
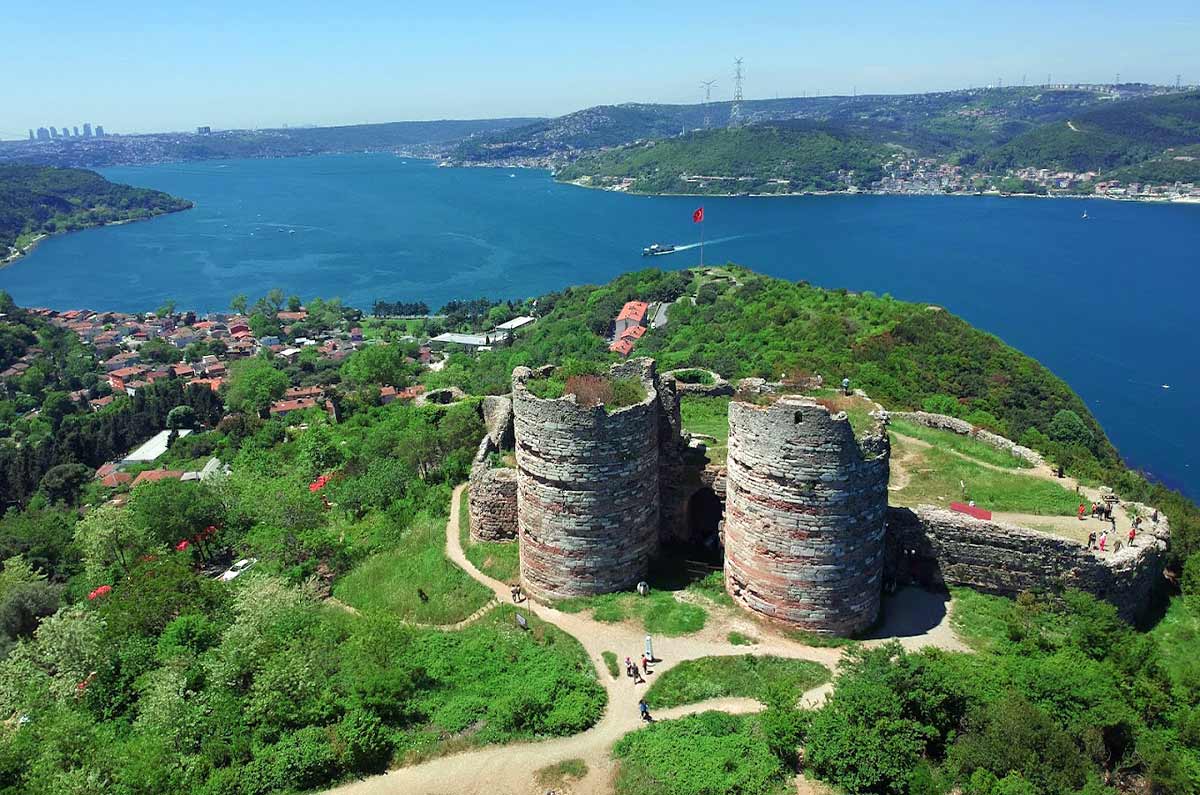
pixel 708 84
pixel 1177 81
pixel 735 112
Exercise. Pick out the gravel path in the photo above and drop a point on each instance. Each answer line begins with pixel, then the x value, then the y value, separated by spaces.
pixel 505 769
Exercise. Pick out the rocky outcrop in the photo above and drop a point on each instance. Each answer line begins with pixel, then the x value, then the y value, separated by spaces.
pixel 587 488
pixel 936 547
pixel 804 519
pixel 943 422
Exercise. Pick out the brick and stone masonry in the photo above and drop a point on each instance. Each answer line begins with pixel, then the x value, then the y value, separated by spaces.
pixel 805 515
pixel 587 488
pixel 492 501
pixel 935 547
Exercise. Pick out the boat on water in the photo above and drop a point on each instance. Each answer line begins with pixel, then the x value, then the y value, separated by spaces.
pixel 657 250
pixel 1084 216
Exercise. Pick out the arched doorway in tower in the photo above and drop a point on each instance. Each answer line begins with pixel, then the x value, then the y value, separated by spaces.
pixel 705 510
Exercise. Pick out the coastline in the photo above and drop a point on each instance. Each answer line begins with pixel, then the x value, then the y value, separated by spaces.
pixel 991 194
pixel 16 254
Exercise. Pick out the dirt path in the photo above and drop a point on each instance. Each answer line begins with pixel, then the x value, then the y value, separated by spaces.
pixel 501 770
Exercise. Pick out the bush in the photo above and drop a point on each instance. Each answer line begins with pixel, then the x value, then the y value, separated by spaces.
pixel 941 404
pixel 363 743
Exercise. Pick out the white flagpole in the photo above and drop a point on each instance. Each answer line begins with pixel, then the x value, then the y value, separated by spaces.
pixel 701 237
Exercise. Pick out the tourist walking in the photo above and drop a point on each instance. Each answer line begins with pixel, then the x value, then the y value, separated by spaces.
pixel 644 709
pixel 629 667
pixel 1132 535
pixel 637 676
pixel 1103 540
pixel 1091 539
pixel 1082 510
pixel 645 665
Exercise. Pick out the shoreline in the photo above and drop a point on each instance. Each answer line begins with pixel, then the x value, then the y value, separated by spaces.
pixel 16 254
pixel 985 194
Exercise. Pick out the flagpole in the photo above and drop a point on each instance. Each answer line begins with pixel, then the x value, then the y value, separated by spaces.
pixel 701 241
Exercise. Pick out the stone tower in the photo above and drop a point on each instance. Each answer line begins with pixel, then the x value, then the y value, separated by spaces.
pixel 587 488
pixel 805 515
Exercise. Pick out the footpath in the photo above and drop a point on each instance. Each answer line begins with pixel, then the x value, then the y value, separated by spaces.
pixel 510 769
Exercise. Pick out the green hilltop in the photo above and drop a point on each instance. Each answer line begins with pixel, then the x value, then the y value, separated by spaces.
pixel 42 200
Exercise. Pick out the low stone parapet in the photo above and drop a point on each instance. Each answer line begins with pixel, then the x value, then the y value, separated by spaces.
pixel 936 547
pixel 943 422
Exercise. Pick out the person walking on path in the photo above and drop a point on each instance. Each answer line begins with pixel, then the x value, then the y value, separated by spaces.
pixel 1103 540
pixel 1132 535
pixel 630 668
pixel 1082 510
pixel 1091 539
pixel 645 665
pixel 637 676
pixel 644 709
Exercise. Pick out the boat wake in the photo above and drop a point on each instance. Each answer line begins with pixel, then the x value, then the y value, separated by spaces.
pixel 712 242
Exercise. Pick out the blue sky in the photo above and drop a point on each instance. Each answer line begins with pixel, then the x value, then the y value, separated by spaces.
pixel 138 66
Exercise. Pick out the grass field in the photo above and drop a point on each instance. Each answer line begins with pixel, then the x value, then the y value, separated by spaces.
pixel 495 683
pixel 393 581
pixel 496 560
pixel 1178 635
pixel 712 753
pixel 556 776
pixel 932 476
pixel 980 619
pixel 660 613
pixel 708 416
pixel 743 676
pixel 960 444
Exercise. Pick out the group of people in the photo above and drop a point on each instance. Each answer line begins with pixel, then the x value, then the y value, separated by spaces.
pixel 631 669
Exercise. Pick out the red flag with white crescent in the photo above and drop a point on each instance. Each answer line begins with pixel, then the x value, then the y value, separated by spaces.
pixel 698 216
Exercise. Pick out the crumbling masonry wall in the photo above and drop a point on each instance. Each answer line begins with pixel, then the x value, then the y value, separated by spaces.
pixel 587 488
pixel 492 496
pixel 805 515
pixel 935 547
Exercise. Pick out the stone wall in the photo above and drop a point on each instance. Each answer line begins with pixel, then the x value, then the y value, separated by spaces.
pixel 805 515
pixel 492 502
pixel 718 388
pixel 936 547
pixel 943 422
pixel 587 488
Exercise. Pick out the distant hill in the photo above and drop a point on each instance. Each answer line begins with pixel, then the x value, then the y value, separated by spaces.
pixel 774 157
pixel 287 142
pixel 935 123
pixel 1111 136
pixel 37 200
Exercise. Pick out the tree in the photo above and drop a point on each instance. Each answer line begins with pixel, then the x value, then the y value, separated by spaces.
pixel 253 385
pixel 63 483
pixel 1068 428
pixel 181 417
pixel 168 308
pixel 293 303
pixel 172 510
pixel 111 542
pixel 274 298
pixel 941 404
pixel 377 364
pixel 238 303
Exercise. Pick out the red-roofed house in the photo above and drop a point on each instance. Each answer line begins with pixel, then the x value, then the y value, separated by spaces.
pixel 282 408
pixel 633 333
pixel 155 475
pixel 122 377
pixel 632 314
pixel 291 317
pixel 212 383
pixel 114 479
pixel 623 346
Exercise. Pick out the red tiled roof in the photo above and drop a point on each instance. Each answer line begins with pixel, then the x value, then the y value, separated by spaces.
pixel 155 475
pixel 633 332
pixel 623 346
pixel 126 372
pixel 212 383
pixel 635 311
pixel 114 479
pixel 303 391
pixel 284 406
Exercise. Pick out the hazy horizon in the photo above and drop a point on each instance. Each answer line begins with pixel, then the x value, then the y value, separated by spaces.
pixel 145 67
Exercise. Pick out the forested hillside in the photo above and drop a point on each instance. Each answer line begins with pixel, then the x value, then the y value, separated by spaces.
pixel 1118 134
pixel 906 355
pixel 38 200
pixel 784 155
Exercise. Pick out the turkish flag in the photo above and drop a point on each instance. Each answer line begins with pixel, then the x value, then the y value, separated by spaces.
pixel 698 216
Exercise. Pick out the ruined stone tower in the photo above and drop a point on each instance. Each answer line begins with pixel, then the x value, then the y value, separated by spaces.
pixel 587 488
pixel 805 515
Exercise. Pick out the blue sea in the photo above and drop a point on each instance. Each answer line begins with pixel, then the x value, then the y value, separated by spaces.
pixel 1109 303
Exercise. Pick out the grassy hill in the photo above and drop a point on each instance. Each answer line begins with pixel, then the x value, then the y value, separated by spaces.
pixel 786 156
pixel 935 122
pixel 38 200
pixel 1118 134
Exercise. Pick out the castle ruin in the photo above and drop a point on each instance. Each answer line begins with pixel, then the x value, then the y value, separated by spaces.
pixel 805 513
pixel 798 516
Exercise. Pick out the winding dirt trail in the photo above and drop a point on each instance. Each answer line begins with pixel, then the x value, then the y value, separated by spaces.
pixel 509 769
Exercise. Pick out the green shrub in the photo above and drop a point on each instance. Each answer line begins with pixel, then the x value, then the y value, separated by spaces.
pixel 746 676
pixel 610 662
pixel 738 639
pixel 707 754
